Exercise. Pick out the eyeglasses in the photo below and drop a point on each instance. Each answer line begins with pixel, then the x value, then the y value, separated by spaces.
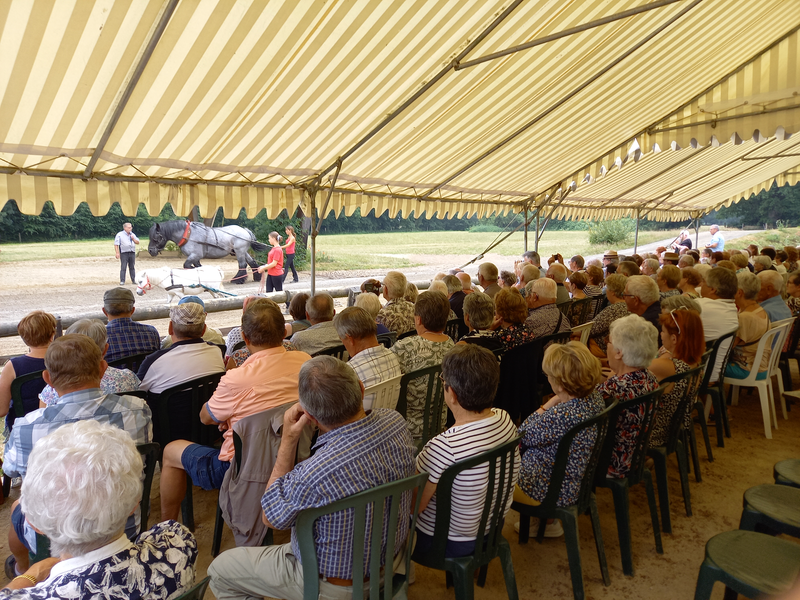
pixel 629 295
pixel 444 383
pixel 672 314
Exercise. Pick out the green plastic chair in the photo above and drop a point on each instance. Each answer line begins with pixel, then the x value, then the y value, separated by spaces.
pixel 176 415
pixel 196 592
pixel 587 503
pixel 772 509
pixel 690 434
pixel 387 340
pixel 372 504
pixel 646 406
pixel 150 453
pixel 676 444
pixel 715 390
pixel 132 362
pixel 339 352
pixel 499 489
pixel 451 328
pixel 434 410
pixel 787 472
pixel 19 411
pixel 580 311
pixel 748 563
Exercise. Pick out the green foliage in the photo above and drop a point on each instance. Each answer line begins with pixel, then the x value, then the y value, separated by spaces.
pixel 775 207
pixel 611 232
pixel 484 227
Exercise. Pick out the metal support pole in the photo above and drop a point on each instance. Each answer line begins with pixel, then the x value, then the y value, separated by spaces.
pixel 697 232
pixel 526 228
pixel 636 237
pixel 313 242
pixel 536 240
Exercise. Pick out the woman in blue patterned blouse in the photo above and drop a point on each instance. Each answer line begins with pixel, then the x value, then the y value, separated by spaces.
pixel 573 374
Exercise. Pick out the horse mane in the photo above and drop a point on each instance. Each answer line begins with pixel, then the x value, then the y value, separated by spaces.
pixel 171 229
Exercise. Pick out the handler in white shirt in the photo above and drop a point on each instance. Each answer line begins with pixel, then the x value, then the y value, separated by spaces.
pixel 125 248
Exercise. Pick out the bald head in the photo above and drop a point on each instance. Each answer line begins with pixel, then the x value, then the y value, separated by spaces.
pixel 466 281
pixel 557 272
pixel 771 285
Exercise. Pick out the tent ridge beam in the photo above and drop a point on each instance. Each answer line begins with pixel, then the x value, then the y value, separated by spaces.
pixel 161 26
pixel 567 97
pixel 720 119
pixel 428 85
pixel 566 33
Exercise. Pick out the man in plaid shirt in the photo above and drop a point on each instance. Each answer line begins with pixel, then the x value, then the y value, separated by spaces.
pixel 75 367
pixel 125 336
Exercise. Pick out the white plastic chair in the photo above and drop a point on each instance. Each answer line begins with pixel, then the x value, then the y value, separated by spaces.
pixel 584 330
pixel 383 395
pixel 775 371
pixel 764 386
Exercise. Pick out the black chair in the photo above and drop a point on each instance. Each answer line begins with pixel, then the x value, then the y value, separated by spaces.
pixel 339 352
pixel 699 408
pixel 176 416
pixel 21 408
pixel 239 346
pixel 715 390
pixel 387 340
pixel 452 328
pixel 600 302
pixel 522 382
pixel 132 362
pixel 196 592
pixel 645 405
pixel 587 503
pixel 409 333
pixel 565 307
pixel 787 472
pixel 435 416
pixel 789 355
pixel 580 311
pixel 676 444
pixel 771 508
pixel 500 488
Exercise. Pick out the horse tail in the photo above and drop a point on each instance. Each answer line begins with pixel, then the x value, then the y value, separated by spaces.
pixel 258 246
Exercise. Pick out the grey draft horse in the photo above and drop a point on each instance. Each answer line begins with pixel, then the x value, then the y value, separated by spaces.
pixel 197 241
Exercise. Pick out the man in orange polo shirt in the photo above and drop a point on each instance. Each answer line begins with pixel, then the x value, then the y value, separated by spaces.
pixel 268 378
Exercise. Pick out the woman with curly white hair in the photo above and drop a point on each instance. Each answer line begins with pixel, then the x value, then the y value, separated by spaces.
pixel 83 482
pixel 398 313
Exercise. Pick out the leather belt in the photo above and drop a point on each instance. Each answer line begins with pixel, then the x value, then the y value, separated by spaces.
pixel 339 582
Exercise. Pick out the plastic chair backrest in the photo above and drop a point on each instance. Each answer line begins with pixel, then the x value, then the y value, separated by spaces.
pixel 196 592
pixel 385 394
pixel 501 461
pixel 644 405
pixel 433 421
pixel 239 346
pixel 451 329
pixel 409 333
pixel 132 362
pixel 600 424
pixel 782 343
pixel 16 392
pixel 600 304
pixel 150 453
pixel 176 411
pixel 794 340
pixel 339 352
pixel 564 307
pixel 715 346
pixel 768 339
pixel 778 344
pixel 579 310
pixel 367 505
pixel 692 378
pixel 584 329
pixel 387 340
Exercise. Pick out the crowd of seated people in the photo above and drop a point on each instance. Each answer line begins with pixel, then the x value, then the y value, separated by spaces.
pixel 654 315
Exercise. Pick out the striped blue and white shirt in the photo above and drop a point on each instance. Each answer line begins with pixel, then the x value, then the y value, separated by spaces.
pixel 126 412
pixel 349 459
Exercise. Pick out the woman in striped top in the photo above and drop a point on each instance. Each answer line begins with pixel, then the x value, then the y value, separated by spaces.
pixel 470 375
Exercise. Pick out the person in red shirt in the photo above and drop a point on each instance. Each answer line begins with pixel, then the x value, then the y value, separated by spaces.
pixel 289 245
pixel 274 266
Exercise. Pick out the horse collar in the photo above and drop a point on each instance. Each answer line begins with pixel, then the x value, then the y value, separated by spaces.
pixel 186 232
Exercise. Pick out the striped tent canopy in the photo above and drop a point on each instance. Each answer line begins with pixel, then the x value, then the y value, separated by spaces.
pixel 433 107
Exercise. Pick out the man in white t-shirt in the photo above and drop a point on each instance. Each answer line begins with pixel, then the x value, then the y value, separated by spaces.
pixel 719 315
pixel 125 243
pixel 471 375
pixel 372 362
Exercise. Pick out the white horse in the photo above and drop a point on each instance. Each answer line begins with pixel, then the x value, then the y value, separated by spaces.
pixel 174 281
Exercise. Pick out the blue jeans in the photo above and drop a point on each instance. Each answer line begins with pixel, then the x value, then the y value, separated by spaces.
pixel 203 465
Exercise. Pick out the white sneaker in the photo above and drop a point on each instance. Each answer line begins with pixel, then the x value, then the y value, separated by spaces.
pixel 16 482
pixel 551 530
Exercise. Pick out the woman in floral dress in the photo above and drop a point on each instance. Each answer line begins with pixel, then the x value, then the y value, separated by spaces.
pixel 598 336
pixel 684 341
pixel 511 310
pixel 632 346
pixel 426 349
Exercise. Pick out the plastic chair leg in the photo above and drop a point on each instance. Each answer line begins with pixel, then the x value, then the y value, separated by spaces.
pixel 187 506
pixel 6 486
pixel 572 539
pixel 219 524
pixel 622 512
pixel 598 541
pixel 660 464
pixel 705 582
pixel 651 501
pixel 482 572
pixel 464 584
pixel 683 469
pixel 765 412
pixel 780 394
pixel 524 528
pixel 704 430
pixel 504 550
pixel 695 454
pixel 718 418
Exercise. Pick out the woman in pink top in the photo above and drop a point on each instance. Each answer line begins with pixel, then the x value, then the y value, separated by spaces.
pixel 274 266
pixel 289 245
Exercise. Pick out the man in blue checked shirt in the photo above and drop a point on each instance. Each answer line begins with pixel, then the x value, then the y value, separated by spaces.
pixel 74 368
pixel 126 337
pixel 354 452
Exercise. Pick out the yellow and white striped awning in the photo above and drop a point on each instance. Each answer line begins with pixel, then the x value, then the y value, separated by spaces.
pixel 249 104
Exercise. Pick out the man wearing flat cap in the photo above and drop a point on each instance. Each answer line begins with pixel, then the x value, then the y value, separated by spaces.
pixel 211 335
pixel 189 357
pixel 125 336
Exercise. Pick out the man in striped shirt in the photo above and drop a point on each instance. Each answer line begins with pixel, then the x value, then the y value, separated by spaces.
pixel 471 375
pixel 372 362
pixel 354 452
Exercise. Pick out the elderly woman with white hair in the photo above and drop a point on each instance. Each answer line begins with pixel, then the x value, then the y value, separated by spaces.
pixel 632 346
pixel 478 316
pixel 370 303
pixel 83 481
pixel 398 313
pixel 753 323
pixel 115 381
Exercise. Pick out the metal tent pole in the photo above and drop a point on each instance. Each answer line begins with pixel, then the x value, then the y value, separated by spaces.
pixel 526 228
pixel 313 241
pixel 636 238
pixel 536 240
pixel 696 232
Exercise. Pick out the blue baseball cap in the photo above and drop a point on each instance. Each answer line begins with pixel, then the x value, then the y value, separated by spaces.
pixel 193 299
